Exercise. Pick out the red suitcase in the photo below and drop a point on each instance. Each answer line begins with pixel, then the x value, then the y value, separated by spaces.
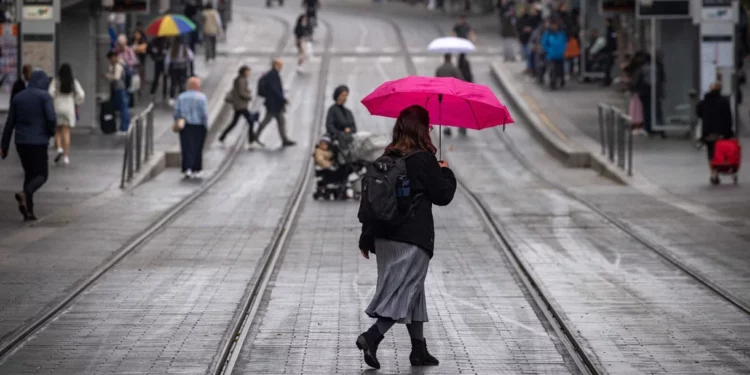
pixel 727 157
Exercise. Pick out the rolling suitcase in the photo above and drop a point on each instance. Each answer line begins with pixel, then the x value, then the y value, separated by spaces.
pixel 727 157
pixel 107 117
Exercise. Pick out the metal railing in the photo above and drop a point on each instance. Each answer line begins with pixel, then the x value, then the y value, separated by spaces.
pixel 139 144
pixel 616 137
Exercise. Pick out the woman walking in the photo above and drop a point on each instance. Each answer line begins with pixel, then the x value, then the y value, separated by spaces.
pixel 178 62
pixel 67 94
pixel 404 250
pixel 302 32
pixel 240 98
pixel 191 110
pixel 339 118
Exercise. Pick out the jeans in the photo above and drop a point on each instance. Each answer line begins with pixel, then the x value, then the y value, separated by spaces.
pixel 160 74
pixel 121 99
pixel 280 120
pixel 35 169
pixel 526 48
pixel 192 138
pixel 209 43
pixel 251 118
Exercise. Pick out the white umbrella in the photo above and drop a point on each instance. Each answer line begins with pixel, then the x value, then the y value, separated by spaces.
pixel 451 44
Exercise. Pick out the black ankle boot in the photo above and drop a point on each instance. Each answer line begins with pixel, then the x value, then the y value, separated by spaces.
pixel 368 343
pixel 420 356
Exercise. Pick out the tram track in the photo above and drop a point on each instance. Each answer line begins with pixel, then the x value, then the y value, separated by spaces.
pixel 532 286
pixel 241 325
pixel 24 332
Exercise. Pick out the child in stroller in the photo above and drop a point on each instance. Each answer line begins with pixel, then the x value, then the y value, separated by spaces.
pixel 335 171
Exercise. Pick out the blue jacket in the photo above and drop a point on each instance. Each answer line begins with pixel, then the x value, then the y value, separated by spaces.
pixel 31 114
pixel 554 43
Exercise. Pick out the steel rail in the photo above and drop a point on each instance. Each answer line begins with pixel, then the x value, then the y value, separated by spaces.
pixel 238 333
pixel 538 296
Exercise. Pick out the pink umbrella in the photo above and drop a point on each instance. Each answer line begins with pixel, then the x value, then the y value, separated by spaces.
pixel 464 105
pixel 449 101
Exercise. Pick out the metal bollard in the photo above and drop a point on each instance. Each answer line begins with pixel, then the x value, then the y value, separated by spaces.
pixel 129 153
pixel 138 141
pixel 150 133
pixel 611 134
pixel 602 140
pixel 620 123
pixel 630 153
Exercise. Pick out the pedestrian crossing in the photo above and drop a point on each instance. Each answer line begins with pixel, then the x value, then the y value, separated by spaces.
pixel 359 50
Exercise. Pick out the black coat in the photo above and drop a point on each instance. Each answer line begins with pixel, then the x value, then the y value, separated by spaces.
pixel 716 113
pixel 338 119
pixel 275 100
pixel 434 185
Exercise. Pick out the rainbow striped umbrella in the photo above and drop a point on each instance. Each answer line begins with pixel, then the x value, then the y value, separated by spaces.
pixel 170 25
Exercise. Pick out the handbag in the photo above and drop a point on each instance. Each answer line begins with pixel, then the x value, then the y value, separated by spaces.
pixel 178 125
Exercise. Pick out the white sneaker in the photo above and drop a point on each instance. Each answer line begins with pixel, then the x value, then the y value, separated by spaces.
pixel 171 102
pixel 188 174
pixel 66 160
pixel 198 174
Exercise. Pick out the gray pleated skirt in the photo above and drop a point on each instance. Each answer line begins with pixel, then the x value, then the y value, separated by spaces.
pixel 402 269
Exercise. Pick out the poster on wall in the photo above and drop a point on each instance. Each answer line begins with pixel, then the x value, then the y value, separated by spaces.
pixel 8 55
pixel 40 54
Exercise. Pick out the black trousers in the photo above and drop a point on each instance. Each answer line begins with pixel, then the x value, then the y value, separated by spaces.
pixel 556 73
pixel 160 74
pixel 192 138
pixel 237 114
pixel 178 78
pixel 35 169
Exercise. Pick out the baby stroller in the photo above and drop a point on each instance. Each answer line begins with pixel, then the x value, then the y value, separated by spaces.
pixel 352 153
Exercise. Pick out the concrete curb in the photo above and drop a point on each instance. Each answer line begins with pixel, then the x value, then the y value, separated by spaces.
pixel 568 152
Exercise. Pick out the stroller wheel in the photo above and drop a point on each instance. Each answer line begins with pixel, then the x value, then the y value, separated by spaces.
pixel 316 196
pixel 736 178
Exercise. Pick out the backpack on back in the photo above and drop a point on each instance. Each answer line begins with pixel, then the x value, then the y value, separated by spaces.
pixel 262 83
pixel 386 191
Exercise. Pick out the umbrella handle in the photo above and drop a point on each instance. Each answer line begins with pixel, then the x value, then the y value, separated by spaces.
pixel 440 129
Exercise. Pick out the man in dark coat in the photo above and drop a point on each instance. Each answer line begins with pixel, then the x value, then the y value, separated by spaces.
pixel 275 103
pixel 715 113
pixel 448 70
pixel 20 83
pixel 32 116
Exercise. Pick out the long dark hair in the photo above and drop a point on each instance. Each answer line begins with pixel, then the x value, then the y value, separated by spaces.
pixel 177 48
pixel 65 76
pixel 412 131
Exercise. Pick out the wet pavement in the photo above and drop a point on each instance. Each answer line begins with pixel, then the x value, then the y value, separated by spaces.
pixel 169 305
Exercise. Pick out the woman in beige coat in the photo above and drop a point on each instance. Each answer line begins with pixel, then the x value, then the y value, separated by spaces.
pixel 239 97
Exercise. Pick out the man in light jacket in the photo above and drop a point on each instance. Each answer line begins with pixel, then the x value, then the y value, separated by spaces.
pixel 211 29
pixel 32 117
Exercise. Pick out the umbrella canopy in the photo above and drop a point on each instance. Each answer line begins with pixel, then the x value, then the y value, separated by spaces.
pixel 449 101
pixel 170 25
pixel 451 44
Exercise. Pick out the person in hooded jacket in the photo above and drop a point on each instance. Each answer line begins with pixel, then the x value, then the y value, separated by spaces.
pixel 715 112
pixel 554 42
pixel 32 117
pixel 339 118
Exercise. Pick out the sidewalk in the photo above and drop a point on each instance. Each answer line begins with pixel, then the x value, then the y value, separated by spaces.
pixel 96 160
pixel 569 117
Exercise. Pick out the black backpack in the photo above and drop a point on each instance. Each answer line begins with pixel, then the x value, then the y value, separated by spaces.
pixel 262 83
pixel 386 191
